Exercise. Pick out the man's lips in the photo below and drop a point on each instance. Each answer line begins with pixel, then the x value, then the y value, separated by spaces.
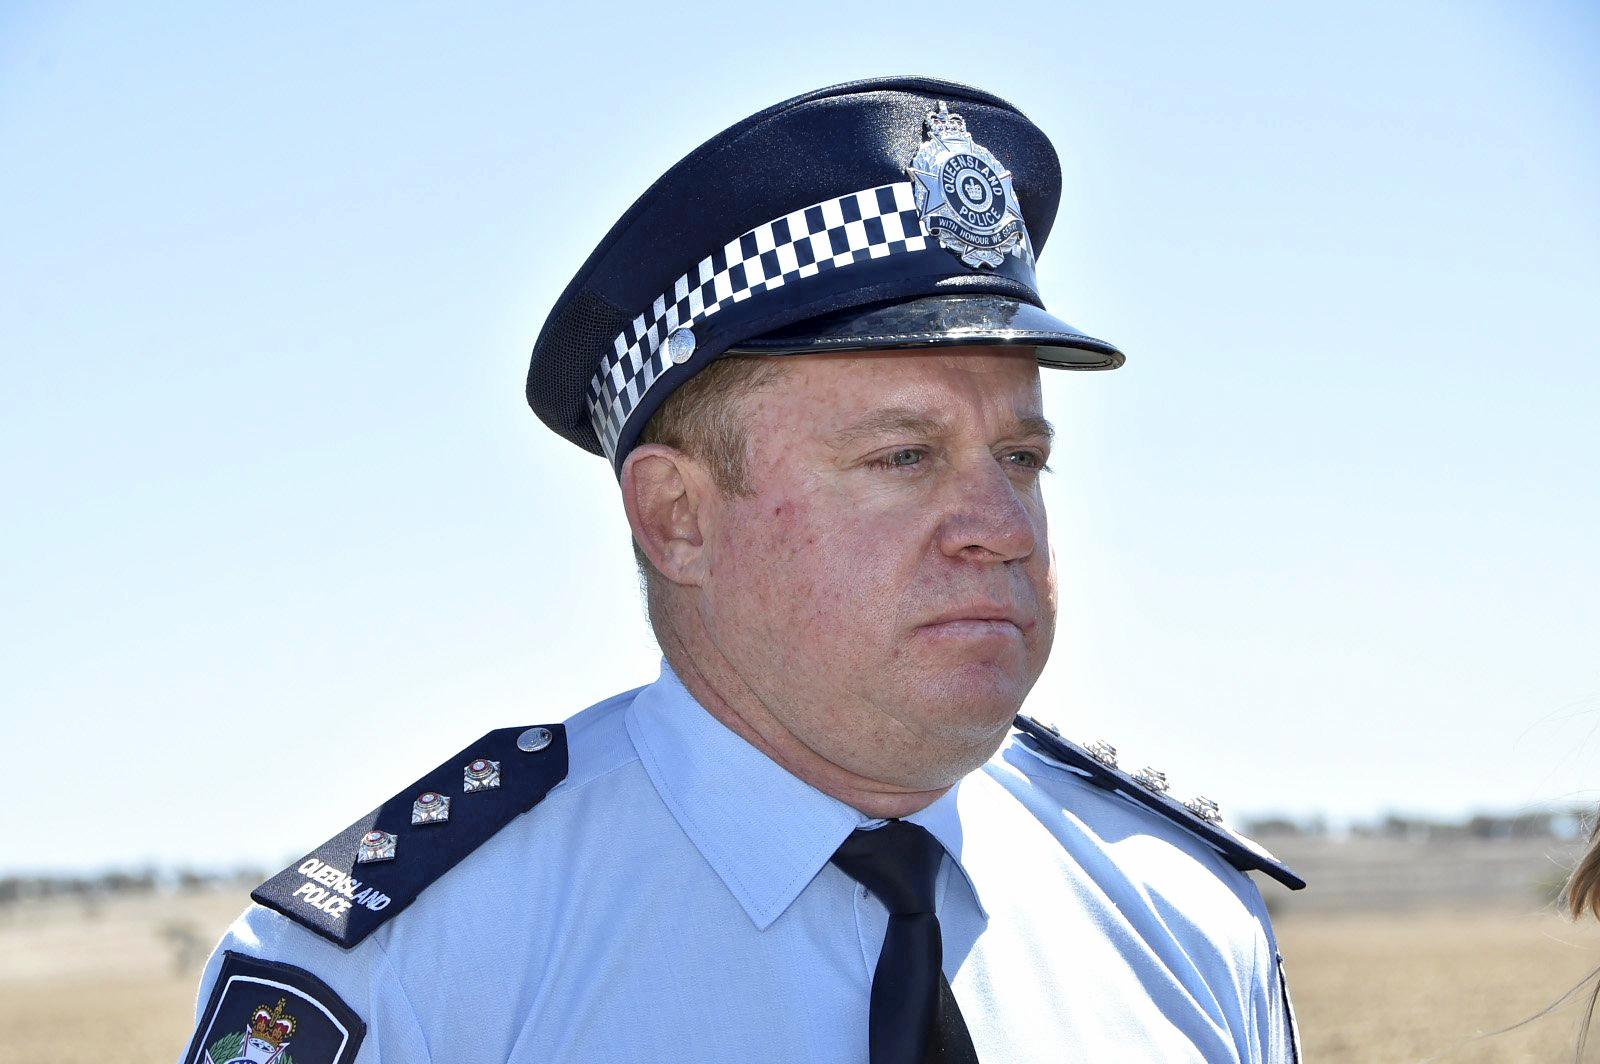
pixel 978 619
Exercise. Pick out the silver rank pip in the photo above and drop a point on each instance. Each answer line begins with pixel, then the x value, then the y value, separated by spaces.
pixel 431 807
pixel 480 775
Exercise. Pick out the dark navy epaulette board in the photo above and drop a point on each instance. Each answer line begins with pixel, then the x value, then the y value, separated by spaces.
pixel 1148 788
pixel 347 887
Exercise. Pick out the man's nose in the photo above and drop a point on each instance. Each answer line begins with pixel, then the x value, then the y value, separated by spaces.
pixel 988 517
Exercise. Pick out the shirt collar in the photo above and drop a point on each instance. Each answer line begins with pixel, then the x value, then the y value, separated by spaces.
pixel 765 832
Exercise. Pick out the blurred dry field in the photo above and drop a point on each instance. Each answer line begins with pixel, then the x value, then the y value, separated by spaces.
pixel 1430 986
pixel 113 982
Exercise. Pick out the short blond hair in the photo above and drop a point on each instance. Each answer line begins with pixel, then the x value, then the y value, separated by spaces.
pixel 704 417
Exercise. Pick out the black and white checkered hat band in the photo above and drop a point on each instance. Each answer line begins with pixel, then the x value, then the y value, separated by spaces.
pixel 869 224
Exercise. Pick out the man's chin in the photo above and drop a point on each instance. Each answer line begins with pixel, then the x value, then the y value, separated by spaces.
pixel 975 699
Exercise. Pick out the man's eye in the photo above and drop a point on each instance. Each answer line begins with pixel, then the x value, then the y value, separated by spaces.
pixel 904 457
pixel 1025 459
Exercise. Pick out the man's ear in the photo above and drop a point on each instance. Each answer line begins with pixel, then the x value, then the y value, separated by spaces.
pixel 665 492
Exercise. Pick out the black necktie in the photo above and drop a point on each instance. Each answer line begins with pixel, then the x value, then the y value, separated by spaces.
pixel 914 1017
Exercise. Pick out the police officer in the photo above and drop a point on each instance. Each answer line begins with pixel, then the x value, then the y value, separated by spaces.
pixel 810 352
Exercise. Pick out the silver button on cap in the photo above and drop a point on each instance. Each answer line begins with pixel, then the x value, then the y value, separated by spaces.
pixel 533 740
pixel 680 346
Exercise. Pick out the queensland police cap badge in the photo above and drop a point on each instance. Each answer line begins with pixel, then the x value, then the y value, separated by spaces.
pixel 964 195
pixel 856 217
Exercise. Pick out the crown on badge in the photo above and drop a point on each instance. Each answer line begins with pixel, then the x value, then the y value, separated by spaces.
pixel 274 1027
pixel 942 123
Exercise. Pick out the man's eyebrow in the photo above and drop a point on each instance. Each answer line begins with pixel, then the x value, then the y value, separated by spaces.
pixel 888 423
pixel 901 420
pixel 1035 425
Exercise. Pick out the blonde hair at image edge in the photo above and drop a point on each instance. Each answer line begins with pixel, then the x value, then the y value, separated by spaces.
pixel 1581 896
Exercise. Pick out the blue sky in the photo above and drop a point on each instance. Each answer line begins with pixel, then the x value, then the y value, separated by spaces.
pixel 280 532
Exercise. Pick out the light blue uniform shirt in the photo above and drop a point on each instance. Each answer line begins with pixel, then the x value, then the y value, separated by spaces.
pixel 672 901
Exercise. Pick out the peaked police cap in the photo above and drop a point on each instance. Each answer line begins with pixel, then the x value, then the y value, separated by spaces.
pixel 880 214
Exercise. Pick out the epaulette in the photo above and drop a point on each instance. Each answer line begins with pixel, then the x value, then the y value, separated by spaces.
pixel 1149 789
pixel 347 887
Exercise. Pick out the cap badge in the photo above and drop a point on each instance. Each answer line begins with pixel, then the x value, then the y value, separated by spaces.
pixel 964 194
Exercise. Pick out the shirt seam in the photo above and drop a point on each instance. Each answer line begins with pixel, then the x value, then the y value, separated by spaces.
pixel 560 791
pixel 1254 1024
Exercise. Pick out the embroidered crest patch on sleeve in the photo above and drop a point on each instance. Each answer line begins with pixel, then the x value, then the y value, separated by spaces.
pixel 263 1012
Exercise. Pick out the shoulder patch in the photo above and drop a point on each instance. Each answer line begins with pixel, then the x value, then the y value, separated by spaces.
pixel 347 887
pixel 1235 849
pixel 266 1011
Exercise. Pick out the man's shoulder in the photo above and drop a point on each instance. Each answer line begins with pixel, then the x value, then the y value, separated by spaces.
pixel 270 983
pixel 450 826
pixel 1090 779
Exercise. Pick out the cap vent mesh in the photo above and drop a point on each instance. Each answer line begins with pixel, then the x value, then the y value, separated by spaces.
pixel 574 339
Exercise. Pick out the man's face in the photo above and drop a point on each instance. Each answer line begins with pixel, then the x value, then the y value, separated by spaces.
pixel 886 588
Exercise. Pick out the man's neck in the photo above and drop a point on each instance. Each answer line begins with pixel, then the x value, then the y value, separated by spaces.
pixel 724 694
